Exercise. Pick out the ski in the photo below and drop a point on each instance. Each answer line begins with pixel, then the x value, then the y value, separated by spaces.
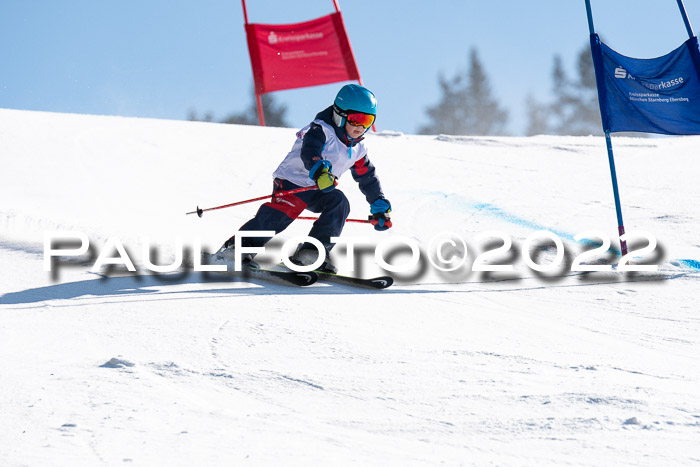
pixel 251 269
pixel 301 279
pixel 381 282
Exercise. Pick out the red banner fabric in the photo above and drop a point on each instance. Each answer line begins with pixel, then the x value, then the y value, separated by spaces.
pixel 288 56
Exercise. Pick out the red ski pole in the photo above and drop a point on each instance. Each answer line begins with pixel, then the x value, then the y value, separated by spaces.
pixel 371 220
pixel 361 221
pixel 201 211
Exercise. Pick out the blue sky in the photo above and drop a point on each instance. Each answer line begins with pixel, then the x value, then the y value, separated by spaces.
pixel 161 59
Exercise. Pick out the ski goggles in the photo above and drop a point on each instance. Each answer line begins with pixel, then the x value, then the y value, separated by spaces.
pixel 360 119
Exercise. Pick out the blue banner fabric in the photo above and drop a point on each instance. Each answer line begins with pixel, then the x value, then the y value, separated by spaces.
pixel 658 95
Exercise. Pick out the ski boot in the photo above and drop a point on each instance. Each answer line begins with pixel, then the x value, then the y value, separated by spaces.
pixel 308 254
pixel 227 254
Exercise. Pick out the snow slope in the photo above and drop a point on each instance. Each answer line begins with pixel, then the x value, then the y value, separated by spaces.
pixel 458 368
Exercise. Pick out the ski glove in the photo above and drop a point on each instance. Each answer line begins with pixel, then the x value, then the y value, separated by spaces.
pixel 321 174
pixel 380 218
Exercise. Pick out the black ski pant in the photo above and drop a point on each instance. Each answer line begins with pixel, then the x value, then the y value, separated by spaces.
pixel 333 209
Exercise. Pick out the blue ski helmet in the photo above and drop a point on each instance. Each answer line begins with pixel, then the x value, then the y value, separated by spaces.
pixel 353 97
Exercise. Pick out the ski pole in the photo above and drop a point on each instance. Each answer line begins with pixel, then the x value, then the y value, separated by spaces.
pixel 371 220
pixel 361 221
pixel 201 211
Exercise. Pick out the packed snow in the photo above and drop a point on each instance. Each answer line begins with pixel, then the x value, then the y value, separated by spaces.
pixel 462 367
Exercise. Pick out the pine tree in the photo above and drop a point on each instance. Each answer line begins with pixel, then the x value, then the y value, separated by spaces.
pixel 574 110
pixel 538 116
pixel 275 113
pixel 467 106
pixel 588 93
pixel 574 107
pixel 192 116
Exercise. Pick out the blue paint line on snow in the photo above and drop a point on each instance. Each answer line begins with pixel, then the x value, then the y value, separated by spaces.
pixel 691 263
pixel 495 211
pixel 500 213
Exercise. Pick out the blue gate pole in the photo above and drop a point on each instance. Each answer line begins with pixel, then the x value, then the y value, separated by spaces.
pixel 616 194
pixel 591 29
pixel 611 159
pixel 685 19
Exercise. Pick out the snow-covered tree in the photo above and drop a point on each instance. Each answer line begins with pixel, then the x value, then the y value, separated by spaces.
pixel 467 106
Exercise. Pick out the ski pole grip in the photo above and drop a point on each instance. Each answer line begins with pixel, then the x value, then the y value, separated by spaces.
pixel 374 219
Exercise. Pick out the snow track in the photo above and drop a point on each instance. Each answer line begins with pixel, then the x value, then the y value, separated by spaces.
pixel 459 368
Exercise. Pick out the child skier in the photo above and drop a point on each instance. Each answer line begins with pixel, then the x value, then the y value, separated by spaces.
pixel 322 152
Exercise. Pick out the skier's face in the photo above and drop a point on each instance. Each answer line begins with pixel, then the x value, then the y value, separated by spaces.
pixel 354 131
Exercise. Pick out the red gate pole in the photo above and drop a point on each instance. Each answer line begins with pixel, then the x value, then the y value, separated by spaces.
pixel 258 103
pixel 258 99
pixel 245 12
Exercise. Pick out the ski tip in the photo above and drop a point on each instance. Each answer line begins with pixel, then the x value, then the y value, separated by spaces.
pixel 306 278
pixel 382 282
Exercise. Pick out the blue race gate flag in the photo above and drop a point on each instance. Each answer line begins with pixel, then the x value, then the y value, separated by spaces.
pixel 658 95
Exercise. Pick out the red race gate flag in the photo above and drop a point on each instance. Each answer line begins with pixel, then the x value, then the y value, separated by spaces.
pixel 288 56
